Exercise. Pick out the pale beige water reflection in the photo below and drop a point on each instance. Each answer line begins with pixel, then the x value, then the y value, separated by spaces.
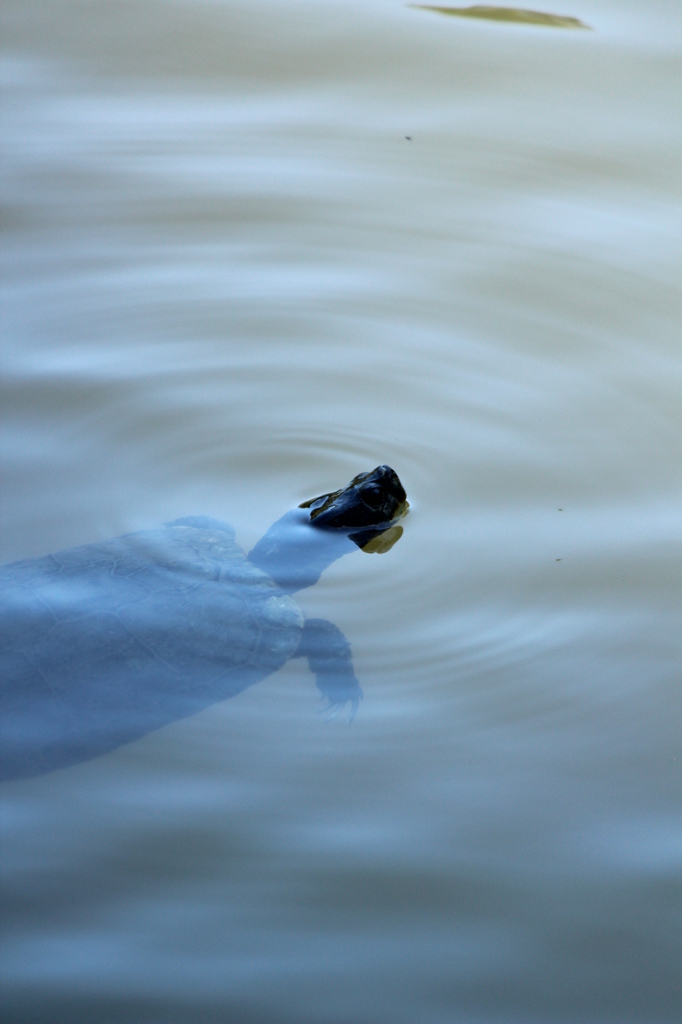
pixel 230 281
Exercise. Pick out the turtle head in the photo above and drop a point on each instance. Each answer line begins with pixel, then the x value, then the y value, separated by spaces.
pixel 297 548
pixel 370 501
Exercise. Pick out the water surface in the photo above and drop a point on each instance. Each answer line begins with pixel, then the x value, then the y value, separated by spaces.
pixel 249 250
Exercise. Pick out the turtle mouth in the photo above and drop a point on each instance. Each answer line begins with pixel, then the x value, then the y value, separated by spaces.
pixel 371 499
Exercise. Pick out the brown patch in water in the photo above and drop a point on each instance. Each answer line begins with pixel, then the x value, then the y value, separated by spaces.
pixel 514 14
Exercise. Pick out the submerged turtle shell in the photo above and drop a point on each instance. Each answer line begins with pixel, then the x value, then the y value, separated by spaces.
pixel 101 644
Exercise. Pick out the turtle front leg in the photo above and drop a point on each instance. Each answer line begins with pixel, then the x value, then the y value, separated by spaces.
pixel 329 657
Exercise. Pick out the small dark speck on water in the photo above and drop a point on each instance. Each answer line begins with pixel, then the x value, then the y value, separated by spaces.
pixel 558 559
pixel 559 510
pixel 409 138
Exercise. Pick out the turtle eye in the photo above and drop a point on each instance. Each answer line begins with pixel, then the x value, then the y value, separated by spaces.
pixel 372 496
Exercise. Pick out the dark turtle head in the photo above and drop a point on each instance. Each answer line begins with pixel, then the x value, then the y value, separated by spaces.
pixel 298 547
pixel 370 501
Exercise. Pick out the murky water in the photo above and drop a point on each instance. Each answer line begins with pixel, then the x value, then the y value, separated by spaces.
pixel 251 249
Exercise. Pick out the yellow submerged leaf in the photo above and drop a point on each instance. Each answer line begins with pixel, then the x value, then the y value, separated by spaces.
pixel 515 14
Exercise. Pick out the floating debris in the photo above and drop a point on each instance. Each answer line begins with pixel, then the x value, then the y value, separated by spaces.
pixel 515 14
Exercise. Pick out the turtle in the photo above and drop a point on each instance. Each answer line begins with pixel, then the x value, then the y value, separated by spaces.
pixel 104 643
